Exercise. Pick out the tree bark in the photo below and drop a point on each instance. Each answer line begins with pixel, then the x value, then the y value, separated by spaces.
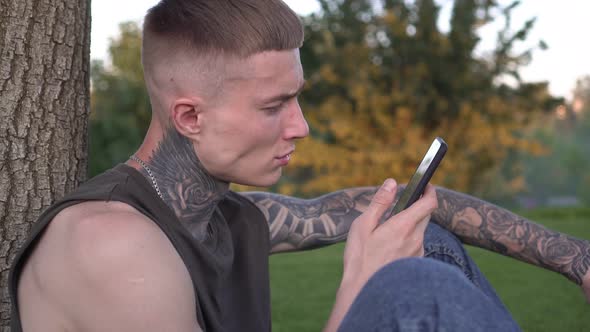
pixel 44 106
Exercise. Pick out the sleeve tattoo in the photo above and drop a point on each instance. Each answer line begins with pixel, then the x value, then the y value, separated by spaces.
pixel 300 224
pixel 485 225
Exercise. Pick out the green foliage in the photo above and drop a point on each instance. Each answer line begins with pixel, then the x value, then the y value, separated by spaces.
pixel 581 109
pixel 383 81
pixel 120 105
pixel 563 170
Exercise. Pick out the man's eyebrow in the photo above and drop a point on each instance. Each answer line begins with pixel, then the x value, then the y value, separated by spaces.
pixel 284 96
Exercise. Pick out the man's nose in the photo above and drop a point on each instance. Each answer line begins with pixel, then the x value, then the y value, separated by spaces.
pixel 295 124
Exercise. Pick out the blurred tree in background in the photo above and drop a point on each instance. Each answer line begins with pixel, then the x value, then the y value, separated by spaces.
pixel 562 175
pixel 119 102
pixel 581 110
pixel 383 81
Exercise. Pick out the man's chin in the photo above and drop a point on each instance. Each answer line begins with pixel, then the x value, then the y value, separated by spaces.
pixel 263 181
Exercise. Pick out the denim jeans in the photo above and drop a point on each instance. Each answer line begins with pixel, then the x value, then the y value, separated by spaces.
pixel 445 291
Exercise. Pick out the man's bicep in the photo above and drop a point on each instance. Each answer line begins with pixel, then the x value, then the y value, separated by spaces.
pixel 300 224
pixel 130 281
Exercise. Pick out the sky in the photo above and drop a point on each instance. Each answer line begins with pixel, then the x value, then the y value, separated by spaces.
pixel 562 25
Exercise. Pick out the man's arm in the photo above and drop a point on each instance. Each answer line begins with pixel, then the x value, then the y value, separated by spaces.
pixel 105 267
pixel 485 225
pixel 299 224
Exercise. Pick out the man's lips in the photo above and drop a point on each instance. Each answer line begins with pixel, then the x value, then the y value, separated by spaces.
pixel 286 155
pixel 284 159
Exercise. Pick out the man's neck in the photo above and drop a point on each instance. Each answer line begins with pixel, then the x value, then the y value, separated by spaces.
pixel 190 191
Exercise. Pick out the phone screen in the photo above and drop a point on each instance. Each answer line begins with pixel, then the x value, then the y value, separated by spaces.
pixel 424 172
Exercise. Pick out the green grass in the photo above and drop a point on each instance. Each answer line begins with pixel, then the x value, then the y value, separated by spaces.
pixel 304 284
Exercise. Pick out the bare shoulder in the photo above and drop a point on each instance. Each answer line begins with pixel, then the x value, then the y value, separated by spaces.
pixel 105 266
pixel 108 228
pixel 92 236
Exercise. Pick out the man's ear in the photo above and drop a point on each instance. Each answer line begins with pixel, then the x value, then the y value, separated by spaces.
pixel 187 117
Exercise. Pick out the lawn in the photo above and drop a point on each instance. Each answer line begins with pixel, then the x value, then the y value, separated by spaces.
pixel 303 284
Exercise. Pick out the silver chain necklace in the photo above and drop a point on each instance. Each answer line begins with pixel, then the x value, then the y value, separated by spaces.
pixel 149 171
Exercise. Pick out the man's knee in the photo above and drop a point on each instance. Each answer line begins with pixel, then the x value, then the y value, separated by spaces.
pixel 425 295
pixel 416 273
pixel 436 234
pixel 405 295
pixel 442 245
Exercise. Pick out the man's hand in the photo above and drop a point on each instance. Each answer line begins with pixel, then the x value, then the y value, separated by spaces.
pixel 371 246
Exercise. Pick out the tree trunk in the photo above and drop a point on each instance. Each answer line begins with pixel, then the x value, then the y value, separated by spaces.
pixel 44 106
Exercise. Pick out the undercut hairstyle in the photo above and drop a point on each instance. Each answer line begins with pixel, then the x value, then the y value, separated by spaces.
pixel 188 44
pixel 234 28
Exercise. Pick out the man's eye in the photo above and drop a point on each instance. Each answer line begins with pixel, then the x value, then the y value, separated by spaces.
pixel 273 109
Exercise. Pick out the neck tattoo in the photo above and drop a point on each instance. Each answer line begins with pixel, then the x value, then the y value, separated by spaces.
pixel 184 184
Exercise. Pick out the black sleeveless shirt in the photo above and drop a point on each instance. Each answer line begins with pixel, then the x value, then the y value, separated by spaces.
pixel 232 294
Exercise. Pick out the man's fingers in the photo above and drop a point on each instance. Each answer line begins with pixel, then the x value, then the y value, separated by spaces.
pixel 422 208
pixel 429 199
pixel 381 201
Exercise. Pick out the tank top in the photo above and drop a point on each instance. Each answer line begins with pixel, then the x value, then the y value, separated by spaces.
pixel 230 296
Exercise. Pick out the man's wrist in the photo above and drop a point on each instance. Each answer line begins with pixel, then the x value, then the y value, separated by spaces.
pixel 350 287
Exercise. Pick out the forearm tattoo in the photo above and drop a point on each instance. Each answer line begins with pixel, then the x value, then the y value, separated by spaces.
pixel 298 224
pixel 487 226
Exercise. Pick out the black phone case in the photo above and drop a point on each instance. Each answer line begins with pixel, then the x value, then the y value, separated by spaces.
pixel 427 175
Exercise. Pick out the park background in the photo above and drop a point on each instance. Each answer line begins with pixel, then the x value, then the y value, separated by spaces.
pixel 382 82
pixel 384 78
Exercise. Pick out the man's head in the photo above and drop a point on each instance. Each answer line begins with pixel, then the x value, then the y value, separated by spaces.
pixel 214 69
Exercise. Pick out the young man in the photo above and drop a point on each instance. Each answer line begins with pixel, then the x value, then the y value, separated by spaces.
pixel 161 244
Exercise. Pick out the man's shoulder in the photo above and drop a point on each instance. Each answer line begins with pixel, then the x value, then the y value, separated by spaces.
pixel 98 227
pixel 92 239
pixel 105 252
pixel 102 186
pixel 100 214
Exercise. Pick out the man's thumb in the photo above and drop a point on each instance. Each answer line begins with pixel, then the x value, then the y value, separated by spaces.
pixel 382 200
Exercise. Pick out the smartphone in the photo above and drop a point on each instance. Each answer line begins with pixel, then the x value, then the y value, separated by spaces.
pixel 419 180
